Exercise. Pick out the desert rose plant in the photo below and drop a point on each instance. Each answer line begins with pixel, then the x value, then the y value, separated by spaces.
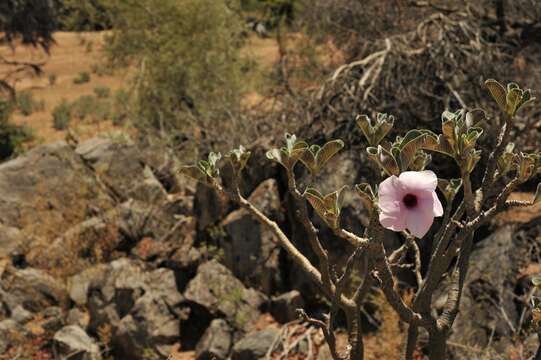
pixel 406 201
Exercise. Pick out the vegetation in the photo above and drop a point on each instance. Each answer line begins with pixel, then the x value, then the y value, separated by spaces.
pixel 177 80
pixel 81 78
pixel 62 115
pixel 406 202
pixel 102 92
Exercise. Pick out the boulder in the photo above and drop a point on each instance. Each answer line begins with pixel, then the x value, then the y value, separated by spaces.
pixel 74 343
pixel 34 289
pixel 47 190
pixel 11 241
pixel 141 307
pixel 216 341
pixel 120 167
pixel 250 251
pixel 10 331
pixel 284 307
pixel 216 289
pixel 255 345
pixel 488 291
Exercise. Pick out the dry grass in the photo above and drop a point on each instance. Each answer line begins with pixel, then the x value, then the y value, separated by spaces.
pixel 70 56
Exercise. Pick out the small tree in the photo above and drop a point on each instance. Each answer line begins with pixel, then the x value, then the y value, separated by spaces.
pixel 187 56
pixel 405 202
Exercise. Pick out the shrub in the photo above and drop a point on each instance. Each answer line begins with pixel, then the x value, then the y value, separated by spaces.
pixel 102 111
pixel 61 115
pixel 102 92
pixel 52 79
pixel 12 137
pixel 83 106
pixel 191 67
pixel 26 103
pixel 406 202
pixel 82 77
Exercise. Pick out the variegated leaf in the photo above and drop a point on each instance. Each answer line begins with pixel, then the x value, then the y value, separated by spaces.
pixel 384 159
pixel 315 199
pixel 327 151
pixel 514 98
pixel 365 192
pixel 194 172
pixel 498 93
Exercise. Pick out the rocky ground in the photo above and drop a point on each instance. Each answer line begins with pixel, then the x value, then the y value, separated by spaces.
pixel 106 253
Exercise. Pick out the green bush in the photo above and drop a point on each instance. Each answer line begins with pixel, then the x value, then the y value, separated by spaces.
pixel 83 106
pixel 12 137
pixel 82 77
pixel 102 92
pixel 102 111
pixel 26 103
pixel 52 79
pixel 188 67
pixel 62 115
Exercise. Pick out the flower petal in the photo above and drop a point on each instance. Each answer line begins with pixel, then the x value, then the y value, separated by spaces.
pixel 437 207
pixel 390 194
pixel 419 180
pixel 420 219
pixel 395 221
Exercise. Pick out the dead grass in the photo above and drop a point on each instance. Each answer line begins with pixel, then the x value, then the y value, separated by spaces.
pixel 70 56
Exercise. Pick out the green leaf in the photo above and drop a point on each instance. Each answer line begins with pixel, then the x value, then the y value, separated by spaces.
pixel 437 143
pixel 475 117
pixel 410 144
pixel 449 188
pixel 315 199
pixel 498 93
pixel 194 172
pixel 470 138
pixel 384 159
pixel 472 158
pixel 365 192
pixel 420 161
pixel 328 206
pixel 327 151
pixel 536 281
pixel 448 131
pixel 514 98
pixel 374 134
pixel 214 158
pixel 238 158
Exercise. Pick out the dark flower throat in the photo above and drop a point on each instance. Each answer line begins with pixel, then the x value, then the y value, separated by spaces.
pixel 410 200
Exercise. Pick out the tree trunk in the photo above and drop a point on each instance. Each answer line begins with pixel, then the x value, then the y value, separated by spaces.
pixel 355 334
pixel 411 342
pixel 437 346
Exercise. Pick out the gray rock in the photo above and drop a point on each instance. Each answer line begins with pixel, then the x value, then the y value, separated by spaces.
pixel 139 305
pixel 216 289
pixel 119 165
pixel 80 284
pixel 77 317
pixel 250 249
pixel 11 240
pixel 486 292
pixel 74 343
pixel 21 315
pixel 53 318
pixel 216 341
pixel 255 345
pixel 283 308
pixel 34 289
pixel 47 190
pixel 9 330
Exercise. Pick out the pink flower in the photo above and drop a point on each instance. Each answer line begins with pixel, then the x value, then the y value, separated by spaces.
pixel 409 202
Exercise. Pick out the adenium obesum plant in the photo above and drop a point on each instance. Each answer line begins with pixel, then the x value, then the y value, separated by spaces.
pixel 406 201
